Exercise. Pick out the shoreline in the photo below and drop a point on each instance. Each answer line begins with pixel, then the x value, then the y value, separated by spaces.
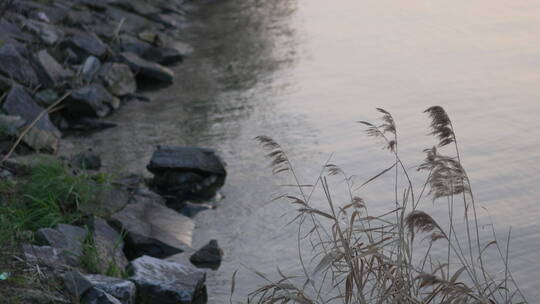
pixel 81 71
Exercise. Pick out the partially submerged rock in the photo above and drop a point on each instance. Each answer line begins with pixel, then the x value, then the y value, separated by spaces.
pixel 147 70
pixel 153 229
pixel 118 79
pixel 209 256
pixel 164 282
pixel 91 101
pixel 187 172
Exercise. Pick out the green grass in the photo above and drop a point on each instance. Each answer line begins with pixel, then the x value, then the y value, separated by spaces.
pixel 48 194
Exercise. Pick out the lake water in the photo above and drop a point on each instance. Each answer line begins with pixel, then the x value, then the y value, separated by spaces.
pixel 305 71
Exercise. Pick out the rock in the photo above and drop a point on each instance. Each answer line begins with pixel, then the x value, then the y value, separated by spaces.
pixel 66 238
pixel 5 83
pixel 164 282
pixel 152 228
pixel 109 245
pixel 118 78
pixel 163 55
pixel 139 7
pixel 146 69
pixel 171 20
pixel 10 125
pixel 209 256
pixel 44 135
pixel 76 283
pixel 86 160
pixel 84 45
pixel 79 18
pixel 91 124
pixel 47 97
pixel 90 68
pixel 91 100
pixel 47 255
pixel 187 172
pixel 131 44
pixel 98 296
pixel 123 290
pixel 53 73
pixel 14 66
pixel 49 34
pixel 112 199
pixel 188 208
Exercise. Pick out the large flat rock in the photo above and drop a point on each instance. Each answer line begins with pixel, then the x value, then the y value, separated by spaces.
pixel 165 282
pixel 186 159
pixel 153 229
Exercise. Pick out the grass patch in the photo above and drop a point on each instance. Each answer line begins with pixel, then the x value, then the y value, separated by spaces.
pixel 404 255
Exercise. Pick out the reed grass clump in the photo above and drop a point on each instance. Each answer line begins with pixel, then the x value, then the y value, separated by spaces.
pixel 401 256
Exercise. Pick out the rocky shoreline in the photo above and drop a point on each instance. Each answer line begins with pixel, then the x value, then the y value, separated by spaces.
pixel 64 67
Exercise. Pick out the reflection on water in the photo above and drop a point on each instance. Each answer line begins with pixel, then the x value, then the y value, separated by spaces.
pixel 304 71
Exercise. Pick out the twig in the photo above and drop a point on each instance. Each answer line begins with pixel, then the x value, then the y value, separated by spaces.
pixel 31 125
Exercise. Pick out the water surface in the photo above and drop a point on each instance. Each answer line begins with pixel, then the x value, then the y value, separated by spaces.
pixel 304 71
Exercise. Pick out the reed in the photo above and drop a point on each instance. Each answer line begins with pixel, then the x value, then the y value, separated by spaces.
pixel 401 256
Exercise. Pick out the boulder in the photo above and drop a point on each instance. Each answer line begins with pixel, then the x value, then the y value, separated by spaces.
pixel 109 244
pixel 84 45
pixel 131 44
pixel 187 172
pixel 52 72
pixel 147 70
pixel 91 101
pixel 98 296
pixel 123 290
pixel 90 68
pixel 152 228
pixel 164 282
pixel 209 256
pixel 46 97
pixel 76 283
pixel 118 79
pixel 66 238
pixel 44 135
pixel 10 125
pixel 47 255
pixel 14 65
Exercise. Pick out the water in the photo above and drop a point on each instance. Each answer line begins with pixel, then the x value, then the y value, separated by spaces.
pixel 304 71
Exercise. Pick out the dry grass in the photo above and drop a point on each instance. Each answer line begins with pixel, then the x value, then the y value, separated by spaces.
pixel 394 257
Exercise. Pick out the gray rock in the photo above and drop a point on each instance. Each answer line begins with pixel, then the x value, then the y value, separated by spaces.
pixel 153 229
pixel 86 160
pixel 209 256
pixel 84 45
pixel 66 238
pixel 47 97
pixel 109 245
pixel 118 79
pixel 10 125
pixel 163 55
pixel 44 135
pixel 187 172
pixel 123 290
pixel 146 69
pixel 98 296
pixel 130 44
pixel 164 282
pixel 53 73
pixel 91 124
pixel 188 159
pixel 91 100
pixel 90 68
pixel 15 66
pixel 47 255
pixel 139 7
pixel 48 33
pixel 171 20
pixel 76 283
